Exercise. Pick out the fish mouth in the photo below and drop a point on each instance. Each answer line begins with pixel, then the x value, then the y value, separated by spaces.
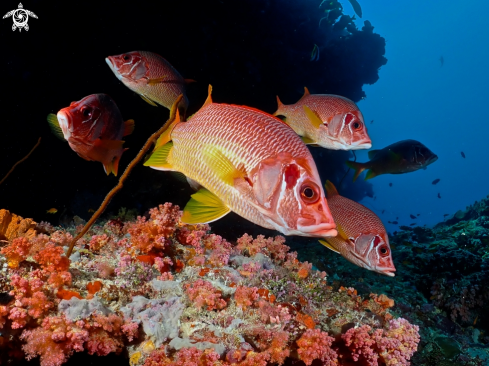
pixel 386 271
pixel 320 230
pixel 361 145
pixel 113 67
pixel 64 123
pixel 433 159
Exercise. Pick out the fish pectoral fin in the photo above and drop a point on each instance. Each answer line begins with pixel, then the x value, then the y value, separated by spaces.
pixel 147 100
pixel 313 117
pixel 221 165
pixel 156 80
pixel 189 81
pixel 128 127
pixel 54 125
pixel 159 157
pixel 372 153
pixel 203 207
pixel 307 140
pixel 329 246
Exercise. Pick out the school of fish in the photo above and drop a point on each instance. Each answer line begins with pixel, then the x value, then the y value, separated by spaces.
pixel 244 160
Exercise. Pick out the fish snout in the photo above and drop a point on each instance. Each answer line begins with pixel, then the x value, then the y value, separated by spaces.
pixel 111 62
pixel 309 227
pixel 388 271
pixel 64 123
pixel 363 144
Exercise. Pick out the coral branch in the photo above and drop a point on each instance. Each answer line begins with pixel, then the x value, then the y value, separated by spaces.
pixel 21 160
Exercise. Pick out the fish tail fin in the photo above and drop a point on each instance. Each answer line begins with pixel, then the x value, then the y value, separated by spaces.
pixel 357 167
pixel 280 105
pixel 128 127
pixel 330 189
pixel 370 174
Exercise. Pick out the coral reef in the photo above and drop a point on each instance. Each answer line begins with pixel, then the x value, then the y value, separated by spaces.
pixel 165 293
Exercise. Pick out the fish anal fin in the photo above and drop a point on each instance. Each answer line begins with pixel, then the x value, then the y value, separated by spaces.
pixel 128 127
pixel 221 165
pixel 55 127
pixel 313 117
pixel 203 207
pixel 109 144
pixel 370 174
pixel 329 246
pixel 159 157
pixel 149 101
pixel 330 189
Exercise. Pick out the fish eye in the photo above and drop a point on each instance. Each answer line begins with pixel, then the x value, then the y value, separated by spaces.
pixel 126 57
pixel 357 125
pixel 86 111
pixel 384 250
pixel 310 193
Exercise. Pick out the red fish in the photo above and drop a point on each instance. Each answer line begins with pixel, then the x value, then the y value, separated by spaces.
pixel 151 76
pixel 330 121
pixel 249 162
pixel 94 129
pixel 361 238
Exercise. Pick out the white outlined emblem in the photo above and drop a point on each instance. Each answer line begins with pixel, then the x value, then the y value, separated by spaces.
pixel 20 17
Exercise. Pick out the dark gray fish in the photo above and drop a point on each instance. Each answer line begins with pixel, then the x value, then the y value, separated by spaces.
pixel 435 181
pixel 439 196
pixel 445 215
pixel 356 7
pixel 401 157
pixel 372 121
pixel 393 222
pixel 412 216
pixel 5 298
pixel 462 153
pixel 412 224
pixel 418 214
pixel 383 211
pixel 390 184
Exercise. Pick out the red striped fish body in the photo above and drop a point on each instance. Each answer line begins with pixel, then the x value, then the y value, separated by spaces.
pixel 151 76
pixel 252 162
pixel 330 121
pixel 361 238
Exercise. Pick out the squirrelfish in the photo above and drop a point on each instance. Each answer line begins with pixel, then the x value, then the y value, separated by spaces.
pixel 249 162
pixel 151 76
pixel 361 238
pixel 330 121
pixel 401 157
pixel 94 129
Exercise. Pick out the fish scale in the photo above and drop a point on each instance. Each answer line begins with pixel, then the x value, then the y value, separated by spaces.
pixel 238 133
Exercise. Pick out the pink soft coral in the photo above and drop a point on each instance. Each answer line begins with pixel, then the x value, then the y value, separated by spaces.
pixel 202 293
pixel 316 344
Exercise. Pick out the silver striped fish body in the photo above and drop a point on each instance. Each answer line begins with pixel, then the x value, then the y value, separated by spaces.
pixel 278 186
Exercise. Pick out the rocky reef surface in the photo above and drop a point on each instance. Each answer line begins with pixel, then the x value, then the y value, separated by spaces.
pixel 159 292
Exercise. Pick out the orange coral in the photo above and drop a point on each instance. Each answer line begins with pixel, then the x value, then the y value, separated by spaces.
pixel 13 226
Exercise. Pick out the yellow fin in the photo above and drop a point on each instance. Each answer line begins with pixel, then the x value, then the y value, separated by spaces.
pixel 313 117
pixel 330 189
pixel 204 207
pixel 209 96
pixel 307 140
pixel 147 100
pixel 329 246
pixel 341 233
pixel 54 125
pixel 128 127
pixel 159 157
pixel 166 135
pixel 156 81
pixel 221 165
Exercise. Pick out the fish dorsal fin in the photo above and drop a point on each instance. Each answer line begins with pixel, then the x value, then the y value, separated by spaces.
pixel 209 96
pixel 372 153
pixel 128 127
pixel 54 125
pixel 307 140
pixel 306 93
pixel 165 137
pixel 159 157
pixel 330 189
pixel 221 165
pixel 147 100
pixel 280 105
pixel 203 207
pixel 329 245
pixel 313 117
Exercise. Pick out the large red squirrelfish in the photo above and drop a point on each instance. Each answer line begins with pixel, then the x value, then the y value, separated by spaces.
pixel 94 129
pixel 249 162
pixel 151 76
pixel 361 238
pixel 327 120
